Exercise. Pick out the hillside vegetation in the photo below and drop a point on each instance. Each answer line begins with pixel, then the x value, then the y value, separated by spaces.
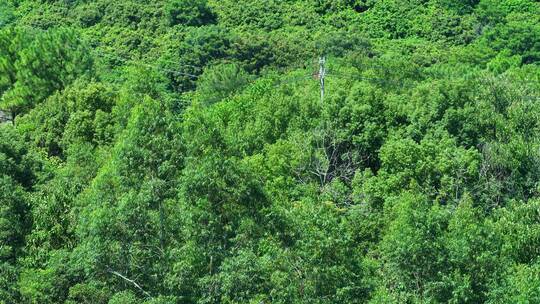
pixel 178 151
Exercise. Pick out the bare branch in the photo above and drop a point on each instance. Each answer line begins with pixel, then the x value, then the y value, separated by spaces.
pixel 116 273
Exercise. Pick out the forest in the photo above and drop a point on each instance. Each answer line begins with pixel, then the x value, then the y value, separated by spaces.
pixel 180 151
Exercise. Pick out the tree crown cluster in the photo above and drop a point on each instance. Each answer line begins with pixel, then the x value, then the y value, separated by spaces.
pixel 177 151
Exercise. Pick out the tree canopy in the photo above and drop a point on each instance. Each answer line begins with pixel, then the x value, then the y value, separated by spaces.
pixel 179 151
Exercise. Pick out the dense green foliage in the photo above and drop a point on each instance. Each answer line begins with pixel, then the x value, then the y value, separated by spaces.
pixel 178 151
